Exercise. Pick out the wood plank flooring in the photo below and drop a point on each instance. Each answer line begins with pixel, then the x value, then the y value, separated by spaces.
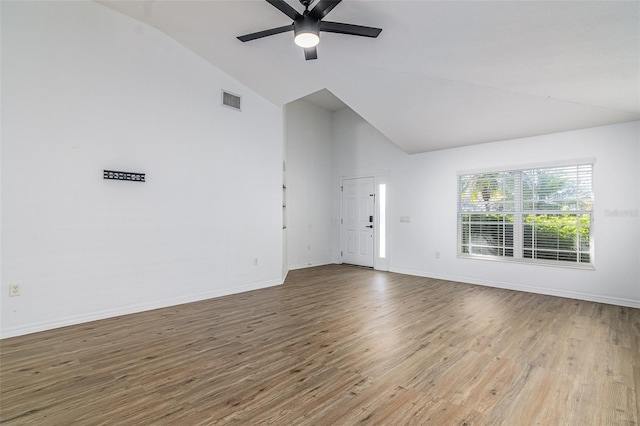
pixel 336 345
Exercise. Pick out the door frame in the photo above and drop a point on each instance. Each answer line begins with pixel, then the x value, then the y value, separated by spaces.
pixel 379 263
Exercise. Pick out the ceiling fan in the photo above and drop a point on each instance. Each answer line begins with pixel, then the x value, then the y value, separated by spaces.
pixel 307 26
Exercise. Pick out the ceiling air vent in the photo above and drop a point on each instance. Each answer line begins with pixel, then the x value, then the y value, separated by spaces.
pixel 230 100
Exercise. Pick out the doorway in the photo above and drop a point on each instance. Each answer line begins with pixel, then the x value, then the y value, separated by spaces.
pixel 358 218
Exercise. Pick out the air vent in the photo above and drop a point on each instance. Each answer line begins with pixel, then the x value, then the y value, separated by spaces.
pixel 230 100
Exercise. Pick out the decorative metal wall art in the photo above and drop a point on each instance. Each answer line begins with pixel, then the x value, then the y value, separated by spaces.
pixel 135 177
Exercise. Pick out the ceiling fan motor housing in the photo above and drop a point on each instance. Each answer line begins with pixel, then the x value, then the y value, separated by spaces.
pixel 306 24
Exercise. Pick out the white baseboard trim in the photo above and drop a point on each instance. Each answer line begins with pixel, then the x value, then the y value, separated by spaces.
pixel 131 309
pixel 619 301
pixel 311 264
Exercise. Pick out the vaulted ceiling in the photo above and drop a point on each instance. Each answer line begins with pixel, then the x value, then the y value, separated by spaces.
pixel 442 73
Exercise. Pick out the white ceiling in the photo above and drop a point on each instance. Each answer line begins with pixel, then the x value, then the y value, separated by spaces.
pixel 442 73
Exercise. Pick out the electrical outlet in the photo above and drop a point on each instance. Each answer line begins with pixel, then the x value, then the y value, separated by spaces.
pixel 255 261
pixel 14 290
pixel 437 255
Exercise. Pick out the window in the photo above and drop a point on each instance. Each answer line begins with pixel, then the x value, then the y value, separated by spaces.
pixel 382 238
pixel 537 214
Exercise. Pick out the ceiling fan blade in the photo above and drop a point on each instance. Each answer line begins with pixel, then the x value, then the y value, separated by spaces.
pixel 323 7
pixel 284 7
pixel 358 30
pixel 266 33
pixel 310 53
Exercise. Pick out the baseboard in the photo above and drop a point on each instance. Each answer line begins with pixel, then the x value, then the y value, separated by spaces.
pixel 311 264
pixel 131 309
pixel 618 301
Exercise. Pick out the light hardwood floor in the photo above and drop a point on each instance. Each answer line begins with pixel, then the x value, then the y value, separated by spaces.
pixel 336 345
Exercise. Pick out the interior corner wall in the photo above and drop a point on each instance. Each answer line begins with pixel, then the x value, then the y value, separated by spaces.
pixel 308 133
pixel 360 150
pixel 85 89
pixel 423 188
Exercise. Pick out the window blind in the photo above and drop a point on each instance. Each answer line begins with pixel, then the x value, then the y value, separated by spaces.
pixel 486 213
pixel 535 214
pixel 557 206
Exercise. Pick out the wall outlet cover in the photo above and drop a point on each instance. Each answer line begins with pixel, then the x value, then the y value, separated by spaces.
pixel 14 290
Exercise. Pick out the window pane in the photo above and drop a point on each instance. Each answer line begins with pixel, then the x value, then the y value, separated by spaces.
pixel 382 243
pixel 552 205
pixel 557 189
pixel 487 234
pixel 488 192
pixel 556 236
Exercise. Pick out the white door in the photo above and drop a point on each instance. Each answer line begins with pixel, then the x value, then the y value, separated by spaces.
pixel 358 198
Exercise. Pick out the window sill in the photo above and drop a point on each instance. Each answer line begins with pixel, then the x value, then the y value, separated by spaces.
pixel 566 265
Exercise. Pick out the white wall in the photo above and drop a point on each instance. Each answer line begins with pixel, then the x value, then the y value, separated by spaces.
pixel 423 187
pixel 85 89
pixel 308 134
pixel 359 150
pixel 615 277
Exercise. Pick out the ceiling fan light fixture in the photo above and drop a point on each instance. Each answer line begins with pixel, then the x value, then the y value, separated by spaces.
pixel 306 32
pixel 307 39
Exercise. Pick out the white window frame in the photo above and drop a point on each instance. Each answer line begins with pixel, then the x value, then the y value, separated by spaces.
pixel 519 214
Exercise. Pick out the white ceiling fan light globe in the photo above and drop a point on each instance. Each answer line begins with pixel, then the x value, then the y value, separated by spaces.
pixel 307 39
